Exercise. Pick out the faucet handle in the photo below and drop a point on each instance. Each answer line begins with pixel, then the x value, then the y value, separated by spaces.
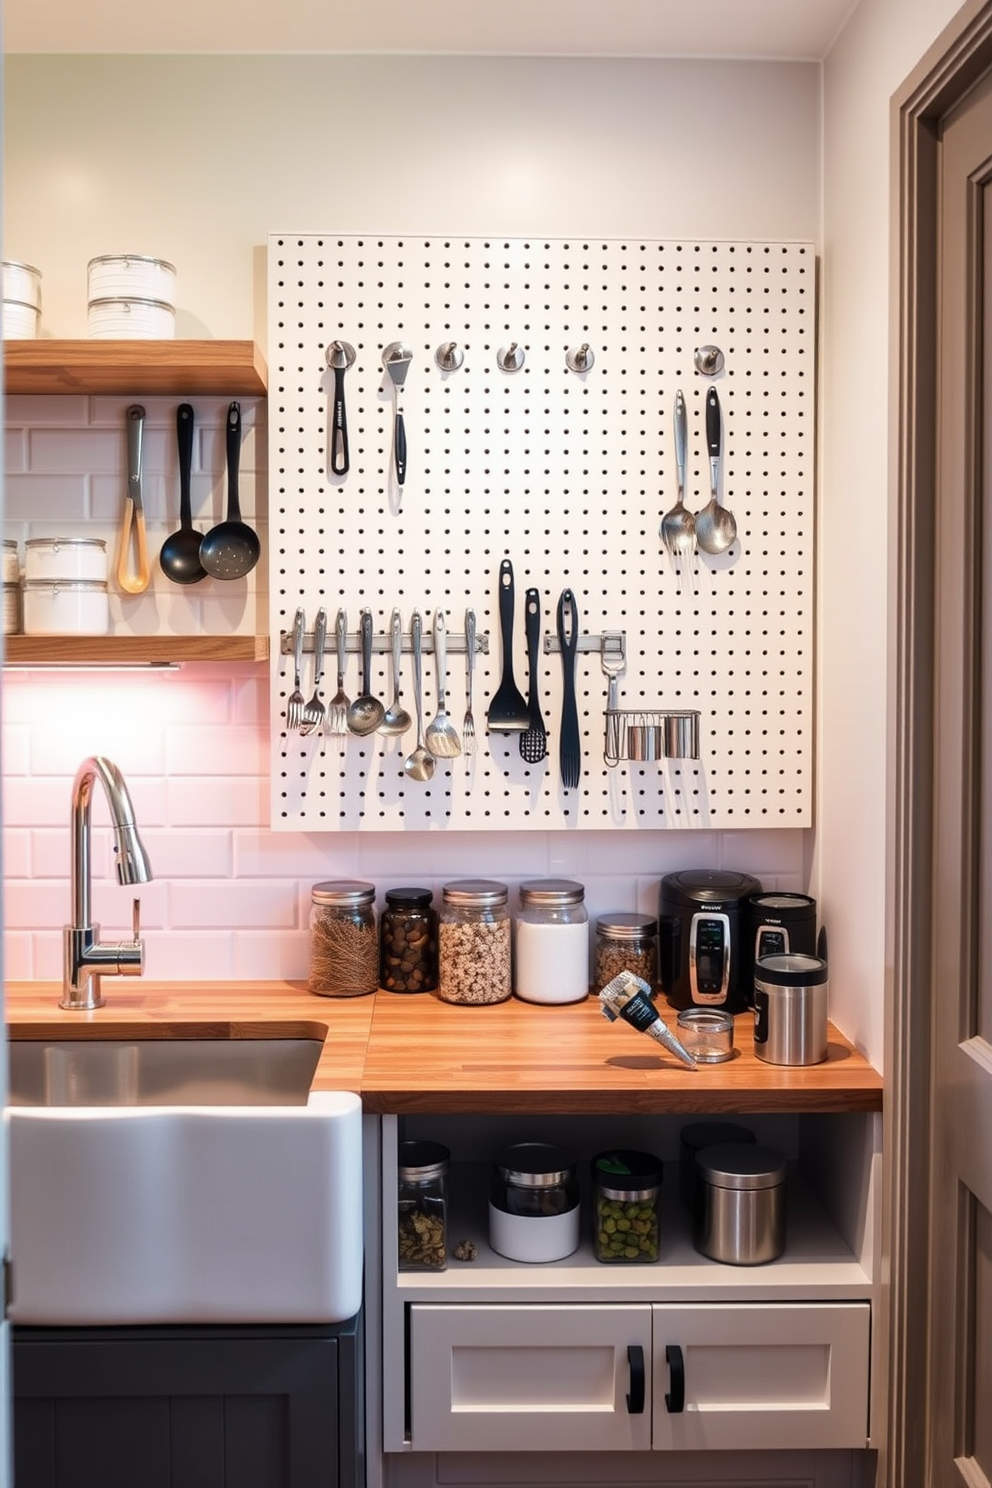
pixel 136 920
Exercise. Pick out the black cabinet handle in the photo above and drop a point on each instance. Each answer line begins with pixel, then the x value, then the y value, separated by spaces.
pixel 675 1399
pixel 635 1362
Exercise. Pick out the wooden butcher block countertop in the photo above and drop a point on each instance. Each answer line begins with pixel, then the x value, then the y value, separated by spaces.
pixel 415 1053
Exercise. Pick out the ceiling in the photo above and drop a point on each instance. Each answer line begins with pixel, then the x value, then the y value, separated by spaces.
pixel 777 29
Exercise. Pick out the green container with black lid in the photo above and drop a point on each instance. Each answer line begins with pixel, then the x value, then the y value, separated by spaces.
pixel 626 1195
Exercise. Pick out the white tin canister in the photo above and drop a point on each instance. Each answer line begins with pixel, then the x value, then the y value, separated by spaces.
pixel 65 607
pixel 130 320
pixel 66 558
pixel 20 282
pixel 20 322
pixel 11 608
pixel 131 276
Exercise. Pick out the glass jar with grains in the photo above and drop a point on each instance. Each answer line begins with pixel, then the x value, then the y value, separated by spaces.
pixel 422 1217
pixel 344 945
pixel 474 942
pixel 625 942
pixel 408 942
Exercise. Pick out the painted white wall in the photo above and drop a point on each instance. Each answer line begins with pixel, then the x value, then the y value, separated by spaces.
pixel 879 47
pixel 196 159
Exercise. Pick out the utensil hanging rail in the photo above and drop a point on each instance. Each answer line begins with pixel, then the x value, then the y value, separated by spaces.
pixel 382 642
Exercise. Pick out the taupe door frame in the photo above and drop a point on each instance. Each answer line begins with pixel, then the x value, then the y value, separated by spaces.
pixel 960 56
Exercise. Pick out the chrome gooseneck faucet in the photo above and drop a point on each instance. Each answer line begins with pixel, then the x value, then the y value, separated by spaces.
pixel 84 959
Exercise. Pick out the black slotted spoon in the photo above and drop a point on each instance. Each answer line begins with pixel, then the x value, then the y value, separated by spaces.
pixel 534 740
pixel 569 744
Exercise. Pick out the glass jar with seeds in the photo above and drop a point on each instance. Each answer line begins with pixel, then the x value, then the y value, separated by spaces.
pixel 344 944
pixel 625 942
pixel 422 1218
pixel 408 942
pixel 474 942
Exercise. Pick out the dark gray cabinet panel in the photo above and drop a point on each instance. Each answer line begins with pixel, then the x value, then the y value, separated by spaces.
pixel 188 1407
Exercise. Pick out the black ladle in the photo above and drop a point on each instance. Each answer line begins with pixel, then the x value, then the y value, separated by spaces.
pixel 232 548
pixel 179 555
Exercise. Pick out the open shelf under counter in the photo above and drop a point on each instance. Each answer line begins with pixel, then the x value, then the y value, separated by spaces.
pixel 131 650
pixel 516 1058
pixel 817 1264
pixel 134 368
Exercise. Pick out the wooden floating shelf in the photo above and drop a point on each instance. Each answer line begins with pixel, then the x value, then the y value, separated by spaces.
pixel 120 650
pixel 226 369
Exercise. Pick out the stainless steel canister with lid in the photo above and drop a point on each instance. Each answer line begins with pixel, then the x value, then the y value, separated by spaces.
pixel 474 942
pixel 696 1135
pixel 344 945
pixel 552 942
pixel 534 1202
pixel 625 942
pixel 739 1205
pixel 790 1009
pixel 422 1206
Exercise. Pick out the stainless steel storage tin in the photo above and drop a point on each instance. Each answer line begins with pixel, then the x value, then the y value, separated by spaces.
pixel 20 282
pixel 790 1009
pixel 739 1204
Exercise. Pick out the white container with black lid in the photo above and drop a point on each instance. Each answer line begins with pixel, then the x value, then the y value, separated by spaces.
pixel 534 1202
pixel 739 1204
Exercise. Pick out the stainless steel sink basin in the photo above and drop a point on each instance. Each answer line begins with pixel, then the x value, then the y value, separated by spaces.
pixel 162 1072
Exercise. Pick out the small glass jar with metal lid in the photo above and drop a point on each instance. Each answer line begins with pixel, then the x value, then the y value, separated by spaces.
pixel 422 1198
pixel 474 942
pixel 344 945
pixel 552 942
pixel 625 942
pixel 626 1194
pixel 534 1202
pixel 408 941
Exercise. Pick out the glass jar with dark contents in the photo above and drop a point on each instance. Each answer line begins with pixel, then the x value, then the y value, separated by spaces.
pixel 408 942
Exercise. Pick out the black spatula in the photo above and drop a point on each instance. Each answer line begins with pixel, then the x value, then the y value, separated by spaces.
pixel 508 712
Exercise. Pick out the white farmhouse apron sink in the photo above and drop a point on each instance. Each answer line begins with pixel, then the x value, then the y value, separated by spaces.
pixel 181 1181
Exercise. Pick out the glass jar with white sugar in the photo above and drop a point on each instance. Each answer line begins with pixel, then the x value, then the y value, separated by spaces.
pixel 552 942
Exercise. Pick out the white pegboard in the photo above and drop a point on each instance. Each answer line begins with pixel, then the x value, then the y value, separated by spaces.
pixel 567 474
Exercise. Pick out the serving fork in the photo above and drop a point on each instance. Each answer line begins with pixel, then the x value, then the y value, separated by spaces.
pixel 313 713
pixel 294 703
pixel 337 712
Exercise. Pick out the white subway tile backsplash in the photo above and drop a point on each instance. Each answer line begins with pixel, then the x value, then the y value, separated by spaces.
pixel 204 955
pixel 190 854
pixel 209 903
pixel 29 409
pixel 242 802
pixel 16 853
pixel 18 956
pixel 47 505
pixel 231 750
pixel 257 956
pixel 91 450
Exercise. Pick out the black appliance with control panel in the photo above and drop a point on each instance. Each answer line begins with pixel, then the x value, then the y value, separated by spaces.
pixel 778 924
pixel 703 960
